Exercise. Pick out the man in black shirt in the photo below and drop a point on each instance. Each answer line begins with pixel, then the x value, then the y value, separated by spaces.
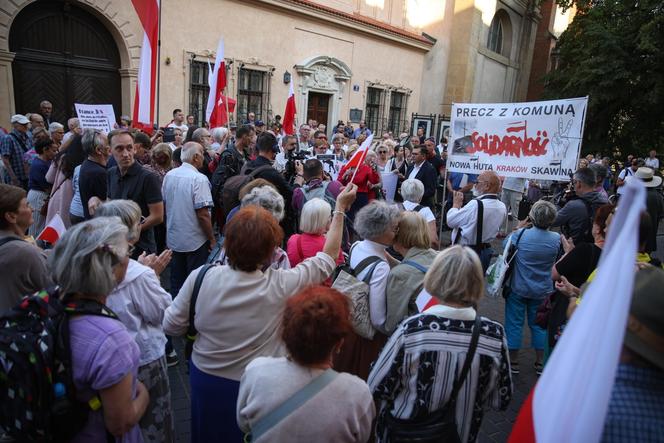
pixel 131 181
pixel 92 177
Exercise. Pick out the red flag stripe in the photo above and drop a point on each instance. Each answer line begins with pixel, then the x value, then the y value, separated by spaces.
pixel 148 14
pixel 524 428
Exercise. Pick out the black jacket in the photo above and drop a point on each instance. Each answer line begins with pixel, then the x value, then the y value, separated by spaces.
pixel 427 175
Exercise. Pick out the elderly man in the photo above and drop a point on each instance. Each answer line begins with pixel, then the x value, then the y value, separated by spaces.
pixel 303 139
pixel 129 180
pixel 74 128
pixel 361 130
pixel 202 137
pixel 36 121
pixel 57 132
pixel 576 217
pixel 92 177
pixel 13 148
pixel 46 110
pixel 23 264
pixel 471 229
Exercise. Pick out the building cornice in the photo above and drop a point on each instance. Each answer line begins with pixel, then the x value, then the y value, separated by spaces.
pixel 355 21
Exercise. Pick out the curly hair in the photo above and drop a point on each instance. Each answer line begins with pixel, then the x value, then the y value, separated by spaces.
pixel 314 321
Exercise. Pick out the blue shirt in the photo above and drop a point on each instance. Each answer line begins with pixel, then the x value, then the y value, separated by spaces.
pixel 13 146
pixel 358 131
pixel 456 177
pixel 38 171
pixel 636 408
pixel 536 254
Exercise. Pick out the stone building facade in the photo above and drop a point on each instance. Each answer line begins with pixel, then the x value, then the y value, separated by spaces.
pixel 379 60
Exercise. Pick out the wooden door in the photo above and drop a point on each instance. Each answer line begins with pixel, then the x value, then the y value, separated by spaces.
pixel 318 107
pixel 63 55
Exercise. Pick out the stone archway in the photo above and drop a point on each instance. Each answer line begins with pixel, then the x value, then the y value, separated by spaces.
pixel 322 75
pixel 121 22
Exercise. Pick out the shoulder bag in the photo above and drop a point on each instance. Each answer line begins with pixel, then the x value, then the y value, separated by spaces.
pixel 438 426
pixel 192 332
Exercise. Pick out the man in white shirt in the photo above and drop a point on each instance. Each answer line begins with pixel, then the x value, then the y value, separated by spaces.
pixel 511 196
pixel 464 220
pixel 627 172
pixel 652 161
pixel 188 200
pixel 178 121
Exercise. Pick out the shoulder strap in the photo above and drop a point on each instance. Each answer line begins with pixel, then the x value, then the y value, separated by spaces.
pixel 418 208
pixel 296 400
pixel 8 239
pixel 417 266
pixel 469 358
pixel 480 222
pixel 518 237
pixel 191 330
pixel 258 170
pixel 364 264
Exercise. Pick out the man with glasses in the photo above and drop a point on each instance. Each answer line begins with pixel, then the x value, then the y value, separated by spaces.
pixel 202 137
pixel 92 177
pixel 13 147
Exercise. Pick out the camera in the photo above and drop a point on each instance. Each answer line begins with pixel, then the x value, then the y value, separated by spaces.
pixel 291 158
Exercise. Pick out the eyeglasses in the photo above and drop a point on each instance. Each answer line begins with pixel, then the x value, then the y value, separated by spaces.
pixel 382 152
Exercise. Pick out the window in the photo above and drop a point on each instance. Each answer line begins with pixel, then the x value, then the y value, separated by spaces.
pixel 252 94
pixel 500 34
pixel 397 113
pixel 374 109
pixel 198 90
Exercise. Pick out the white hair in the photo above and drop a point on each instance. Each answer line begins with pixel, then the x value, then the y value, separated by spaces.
pixel 412 190
pixel 267 198
pixel 127 211
pixel 54 127
pixel 188 151
pixel 315 216
pixel 73 123
pixel 218 134
pixel 375 219
pixel 83 259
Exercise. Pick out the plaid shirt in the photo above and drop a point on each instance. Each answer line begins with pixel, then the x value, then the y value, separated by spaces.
pixel 636 409
pixel 10 148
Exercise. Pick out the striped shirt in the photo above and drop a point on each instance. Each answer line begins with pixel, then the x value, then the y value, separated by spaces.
pixel 415 372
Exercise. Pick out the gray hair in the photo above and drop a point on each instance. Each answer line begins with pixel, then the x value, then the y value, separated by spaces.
pixel 218 134
pixel 412 190
pixel 267 198
pixel 83 258
pixel 375 219
pixel 315 216
pixel 73 123
pixel 543 214
pixel 456 276
pixel 600 172
pixel 127 211
pixel 197 135
pixel 91 140
pixel 337 136
pixel 188 151
pixel 54 127
pixel 586 176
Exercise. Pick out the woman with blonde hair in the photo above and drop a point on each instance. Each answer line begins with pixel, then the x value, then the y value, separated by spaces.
pixel 429 350
pixel 405 281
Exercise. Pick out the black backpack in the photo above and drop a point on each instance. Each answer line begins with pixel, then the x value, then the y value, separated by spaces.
pixel 37 393
pixel 229 165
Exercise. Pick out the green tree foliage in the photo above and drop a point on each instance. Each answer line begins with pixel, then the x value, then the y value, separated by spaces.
pixel 613 52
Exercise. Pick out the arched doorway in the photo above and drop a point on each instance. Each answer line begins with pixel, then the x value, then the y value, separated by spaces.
pixel 65 55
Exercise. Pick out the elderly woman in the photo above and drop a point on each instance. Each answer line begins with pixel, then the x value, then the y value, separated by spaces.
pixel 412 191
pixel 315 322
pixel 416 370
pixel 405 280
pixel 140 301
pixel 88 261
pixel 57 132
pixel 377 224
pixel 161 159
pixel 314 223
pixel 530 282
pixel 238 312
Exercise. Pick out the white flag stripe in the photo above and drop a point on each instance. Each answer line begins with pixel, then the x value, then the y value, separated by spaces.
pixel 143 79
pixel 572 395
pixel 212 96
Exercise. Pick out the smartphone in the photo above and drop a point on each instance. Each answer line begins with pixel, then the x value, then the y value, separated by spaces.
pixel 169 134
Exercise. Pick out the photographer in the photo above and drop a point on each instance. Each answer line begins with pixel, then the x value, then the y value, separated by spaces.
pixel 285 161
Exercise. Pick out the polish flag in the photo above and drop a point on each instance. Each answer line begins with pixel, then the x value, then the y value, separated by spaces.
pixel 214 114
pixel 53 230
pixel 289 114
pixel 425 300
pixel 360 154
pixel 146 84
pixel 571 398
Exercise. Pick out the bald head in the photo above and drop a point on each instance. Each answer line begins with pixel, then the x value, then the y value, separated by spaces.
pixel 488 183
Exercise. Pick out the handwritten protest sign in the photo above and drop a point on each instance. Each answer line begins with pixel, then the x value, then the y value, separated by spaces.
pixel 390 180
pixel 535 140
pixel 101 117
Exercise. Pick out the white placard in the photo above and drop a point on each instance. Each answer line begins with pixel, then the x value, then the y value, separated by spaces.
pixel 101 117
pixel 536 140
pixel 390 180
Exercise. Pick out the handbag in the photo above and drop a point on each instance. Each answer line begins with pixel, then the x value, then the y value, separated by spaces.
pixel 499 272
pixel 438 426
pixel 272 418
pixel 357 291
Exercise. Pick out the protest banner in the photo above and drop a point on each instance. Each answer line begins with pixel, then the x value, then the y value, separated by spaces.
pixel 535 140
pixel 390 180
pixel 101 117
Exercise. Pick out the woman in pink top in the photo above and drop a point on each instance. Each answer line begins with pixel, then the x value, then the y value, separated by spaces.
pixel 314 223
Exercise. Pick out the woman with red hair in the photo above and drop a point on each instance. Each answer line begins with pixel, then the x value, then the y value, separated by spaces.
pixel 314 325
pixel 238 312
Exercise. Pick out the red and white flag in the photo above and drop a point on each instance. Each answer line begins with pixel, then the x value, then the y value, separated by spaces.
pixel 571 398
pixel 289 113
pixel 146 83
pixel 425 300
pixel 53 230
pixel 360 154
pixel 215 112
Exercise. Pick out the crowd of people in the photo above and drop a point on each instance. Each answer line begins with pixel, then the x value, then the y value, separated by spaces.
pixel 298 280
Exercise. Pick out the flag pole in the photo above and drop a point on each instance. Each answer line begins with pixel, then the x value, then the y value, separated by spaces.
pixel 158 63
pixel 442 213
pixel 228 116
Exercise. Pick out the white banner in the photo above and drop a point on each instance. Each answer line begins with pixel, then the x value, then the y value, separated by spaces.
pixel 101 117
pixel 390 180
pixel 535 140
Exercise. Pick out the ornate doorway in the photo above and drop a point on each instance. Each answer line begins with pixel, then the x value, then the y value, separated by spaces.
pixel 65 55
pixel 318 107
